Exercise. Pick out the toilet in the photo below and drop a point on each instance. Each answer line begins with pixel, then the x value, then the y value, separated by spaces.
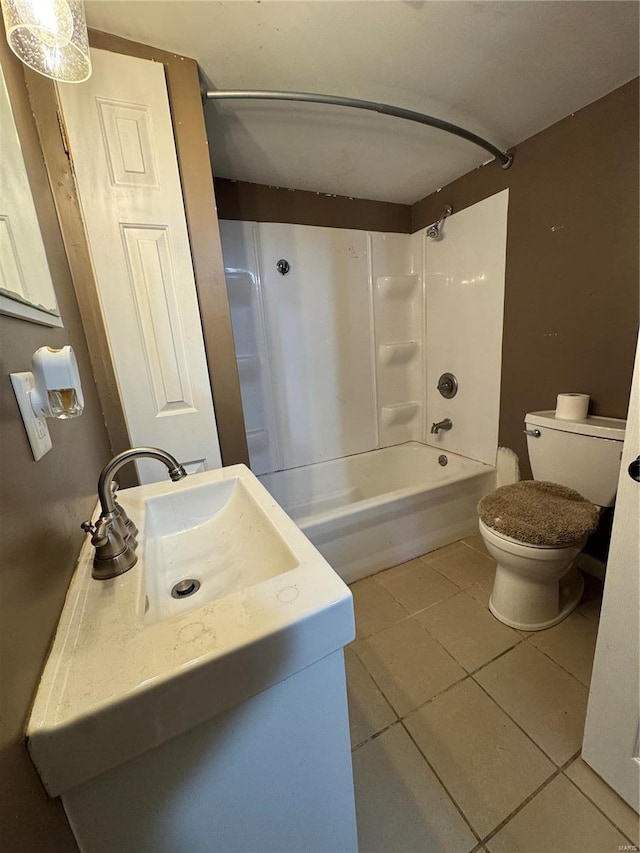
pixel 536 528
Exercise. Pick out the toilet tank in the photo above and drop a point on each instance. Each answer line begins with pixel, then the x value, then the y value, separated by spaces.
pixel 582 454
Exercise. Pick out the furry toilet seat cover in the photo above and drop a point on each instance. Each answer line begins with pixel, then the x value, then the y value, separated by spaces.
pixel 537 512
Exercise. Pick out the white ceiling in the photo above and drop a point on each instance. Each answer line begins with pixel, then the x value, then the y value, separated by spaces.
pixel 504 70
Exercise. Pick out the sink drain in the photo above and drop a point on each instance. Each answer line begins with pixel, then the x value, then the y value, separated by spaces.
pixel 185 588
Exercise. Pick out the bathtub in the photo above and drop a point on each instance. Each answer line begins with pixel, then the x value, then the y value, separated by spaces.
pixel 377 509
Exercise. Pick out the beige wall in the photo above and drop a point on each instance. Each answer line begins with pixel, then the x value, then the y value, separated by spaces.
pixel 41 505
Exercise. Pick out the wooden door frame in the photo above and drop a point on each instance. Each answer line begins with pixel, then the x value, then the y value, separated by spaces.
pixel 192 149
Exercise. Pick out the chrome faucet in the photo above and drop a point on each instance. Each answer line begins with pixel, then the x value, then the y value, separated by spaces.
pixel 441 425
pixel 114 534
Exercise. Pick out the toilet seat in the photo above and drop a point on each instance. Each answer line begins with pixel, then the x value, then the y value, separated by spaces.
pixel 538 513
pixel 526 549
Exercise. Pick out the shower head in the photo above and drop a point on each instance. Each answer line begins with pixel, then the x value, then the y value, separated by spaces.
pixel 433 230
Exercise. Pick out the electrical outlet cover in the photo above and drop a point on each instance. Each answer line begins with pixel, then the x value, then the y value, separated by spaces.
pixel 36 427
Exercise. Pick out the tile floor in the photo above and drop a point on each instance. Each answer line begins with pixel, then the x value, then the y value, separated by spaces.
pixel 466 734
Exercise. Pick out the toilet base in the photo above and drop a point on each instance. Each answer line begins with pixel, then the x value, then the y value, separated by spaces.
pixel 556 600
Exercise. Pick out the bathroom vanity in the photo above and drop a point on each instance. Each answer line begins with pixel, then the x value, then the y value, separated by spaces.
pixel 214 720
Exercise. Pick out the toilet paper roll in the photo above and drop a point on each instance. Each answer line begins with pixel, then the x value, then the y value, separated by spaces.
pixel 572 407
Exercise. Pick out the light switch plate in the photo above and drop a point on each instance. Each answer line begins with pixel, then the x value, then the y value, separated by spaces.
pixel 36 427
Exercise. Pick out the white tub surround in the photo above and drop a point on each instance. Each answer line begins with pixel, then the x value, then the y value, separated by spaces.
pixel 464 283
pixel 374 510
pixel 331 354
pixel 246 302
pixel 342 354
pixel 225 723
pixel 309 393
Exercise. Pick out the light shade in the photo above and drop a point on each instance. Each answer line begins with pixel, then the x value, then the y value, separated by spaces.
pixel 49 36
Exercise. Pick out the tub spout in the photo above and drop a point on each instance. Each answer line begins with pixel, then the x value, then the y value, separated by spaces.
pixel 441 425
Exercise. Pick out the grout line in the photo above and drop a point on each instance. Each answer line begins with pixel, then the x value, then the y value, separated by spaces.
pixel 599 808
pixel 578 613
pixel 374 736
pixel 516 723
pixel 470 675
pixel 520 639
pixel 447 791
pixel 477 601
pixel 428 557
pixel 497 657
pixel 431 698
pixel 472 672
pixel 435 603
pixel 426 702
pixel 558 769
pixel 557 772
pixel 363 637
pixel 467 674
pixel 393 710
pixel 557 663
pixel 446 577
pixel 402 717
pixel 422 558
pixel 477 550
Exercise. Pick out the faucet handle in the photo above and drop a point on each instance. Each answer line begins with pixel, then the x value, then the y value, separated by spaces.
pixel 99 532
pixel 102 531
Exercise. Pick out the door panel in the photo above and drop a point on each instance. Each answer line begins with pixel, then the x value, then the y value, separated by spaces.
pixel 121 143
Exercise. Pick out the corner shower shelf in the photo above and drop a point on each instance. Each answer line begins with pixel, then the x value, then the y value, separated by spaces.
pixel 396 286
pixel 240 288
pixel 399 413
pixel 248 366
pixel 399 352
pixel 257 439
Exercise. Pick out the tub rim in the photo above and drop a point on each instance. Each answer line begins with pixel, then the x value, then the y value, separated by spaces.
pixel 376 501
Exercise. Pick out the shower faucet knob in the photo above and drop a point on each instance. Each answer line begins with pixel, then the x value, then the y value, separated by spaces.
pixel 448 385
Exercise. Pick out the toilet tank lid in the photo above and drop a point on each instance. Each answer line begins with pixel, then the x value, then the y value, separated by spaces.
pixel 611 428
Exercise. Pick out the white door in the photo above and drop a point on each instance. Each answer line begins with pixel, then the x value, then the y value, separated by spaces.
pixel 612 729
pixel 121 142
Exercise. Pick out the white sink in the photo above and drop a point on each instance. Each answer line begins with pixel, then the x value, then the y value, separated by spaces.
pixel 213 535
pixel 132 667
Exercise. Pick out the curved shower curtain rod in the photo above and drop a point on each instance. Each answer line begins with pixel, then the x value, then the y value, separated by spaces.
pixel 386 109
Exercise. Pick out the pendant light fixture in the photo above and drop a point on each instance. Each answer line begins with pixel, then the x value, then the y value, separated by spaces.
pixel 49 36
